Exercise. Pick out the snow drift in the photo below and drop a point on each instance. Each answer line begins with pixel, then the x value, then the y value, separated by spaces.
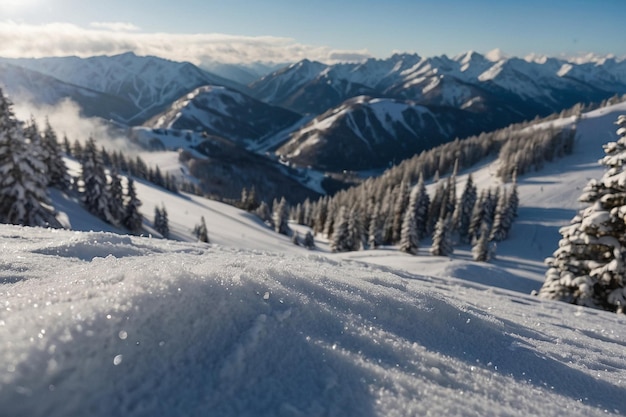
pixel 101 324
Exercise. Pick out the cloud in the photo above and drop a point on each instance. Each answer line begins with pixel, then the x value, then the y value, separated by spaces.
pixel 65 39
pixel 115 26
pixel 66 119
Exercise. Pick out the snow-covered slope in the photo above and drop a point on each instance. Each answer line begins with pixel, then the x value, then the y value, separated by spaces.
pixel 223 112
pixel 103 324
pixel 364 133
pixel 149 83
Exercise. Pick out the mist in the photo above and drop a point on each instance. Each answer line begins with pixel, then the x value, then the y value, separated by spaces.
pixel 66 119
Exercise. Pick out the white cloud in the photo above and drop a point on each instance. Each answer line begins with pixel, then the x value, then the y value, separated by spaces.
pixel 64 39
pixel 115 26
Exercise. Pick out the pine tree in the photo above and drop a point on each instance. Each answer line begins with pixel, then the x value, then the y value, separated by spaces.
pixel 464 209
pixel 57 170
pixel 281 217
pixel 132 218
pixel 588 267
pixel 161 222
pixel 23 193
pixel 421 208
pixel 95 190
pixel 263 212
pixel 401 203
pixel 116 199
pixel 480 250
pixel 502 219
pixel 441 239
pixel 340 240
pixel 356 239
pixel 201 231
pixel 409 240
pixel 374 239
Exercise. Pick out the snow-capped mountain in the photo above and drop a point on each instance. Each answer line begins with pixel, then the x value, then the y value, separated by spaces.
pixel 150 84
pixel 33 87
pixel 366 132
pixel 531 87
pixel 220 111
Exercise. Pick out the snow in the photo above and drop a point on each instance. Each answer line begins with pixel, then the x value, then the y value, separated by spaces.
pixel 100 324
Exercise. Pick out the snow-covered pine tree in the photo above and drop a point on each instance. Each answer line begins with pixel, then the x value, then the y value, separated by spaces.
pixel 409 239
pixel 422 206
pixel 502 219
pixel 464 209
pixel 281 217
pixel 132 218
pixel 476 221
pixel 374 234
pixel 263 212
pixel 399 208
pixel 58 175
pixel 295 238
pixel 95 190
pixel 442 246
pixel 434 210
pixel 23 193
pixel 588 268
pixel 356 239
pixel 480 249
pixel 340 240
pixel 116 199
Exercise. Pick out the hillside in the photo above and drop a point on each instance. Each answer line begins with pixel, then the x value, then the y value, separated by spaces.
pixel 106 324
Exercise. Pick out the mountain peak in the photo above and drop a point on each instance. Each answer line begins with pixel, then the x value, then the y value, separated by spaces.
pixel 496 55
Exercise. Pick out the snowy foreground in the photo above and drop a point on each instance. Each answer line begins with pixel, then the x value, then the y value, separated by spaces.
pixel 97 324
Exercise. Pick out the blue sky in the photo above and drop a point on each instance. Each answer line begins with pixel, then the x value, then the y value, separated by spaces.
pixel 377 28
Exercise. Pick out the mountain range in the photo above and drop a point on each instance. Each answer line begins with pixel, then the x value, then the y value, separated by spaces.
pixel 328 118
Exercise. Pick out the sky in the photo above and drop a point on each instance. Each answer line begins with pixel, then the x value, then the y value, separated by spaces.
pixel 238 31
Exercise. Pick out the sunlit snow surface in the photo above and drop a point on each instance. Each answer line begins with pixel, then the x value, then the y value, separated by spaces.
pixel 95 324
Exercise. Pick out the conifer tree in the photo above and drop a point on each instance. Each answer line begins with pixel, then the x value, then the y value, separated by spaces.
pixel 201 231
pixel 58 175
pixel 401 203
pixel 442 246
pixel 502 219
pixel 281 217
pixel 356 238
pixel 132 218
pixel 116 199
pixel 422 207
pixel 480 249
pixel 263 212
pixel 23 193
pixel 409 240
pixel 295 238
pixel 374 239
pixel 588 268
pixel 95 190
pixel 340 240
pixel 464 209
pixel 161 221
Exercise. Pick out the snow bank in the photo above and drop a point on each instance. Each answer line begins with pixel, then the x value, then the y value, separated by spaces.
pixel 100 324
